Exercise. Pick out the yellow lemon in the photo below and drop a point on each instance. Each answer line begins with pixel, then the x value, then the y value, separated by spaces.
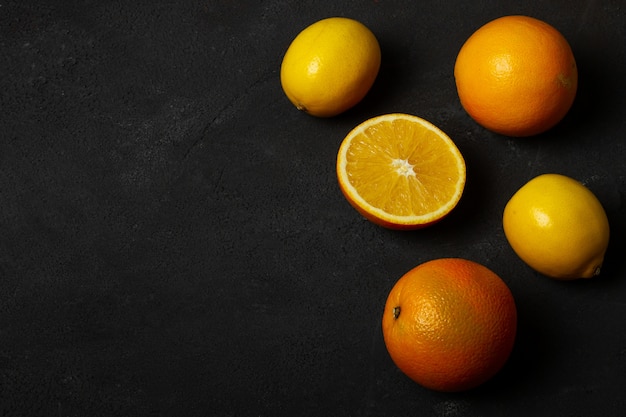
pixel 558 227
pixel 330 66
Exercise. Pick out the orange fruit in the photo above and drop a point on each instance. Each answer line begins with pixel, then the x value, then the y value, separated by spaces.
pixel 516 76
pixel 400 171
pixel 450 324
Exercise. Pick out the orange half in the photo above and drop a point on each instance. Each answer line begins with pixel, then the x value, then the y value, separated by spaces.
pixel 400 171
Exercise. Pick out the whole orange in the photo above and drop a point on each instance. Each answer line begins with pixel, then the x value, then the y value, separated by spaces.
pixel 516 76
pixel 449 324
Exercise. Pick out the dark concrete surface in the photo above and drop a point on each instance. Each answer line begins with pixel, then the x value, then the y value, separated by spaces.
pixel 173 241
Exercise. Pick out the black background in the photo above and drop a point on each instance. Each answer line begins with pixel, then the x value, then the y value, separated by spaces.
pixel 173 241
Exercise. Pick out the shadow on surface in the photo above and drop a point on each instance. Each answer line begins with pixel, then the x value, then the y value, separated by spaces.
pixel 392 81
pixel 535 350
pixel 613 267
pixel 598 96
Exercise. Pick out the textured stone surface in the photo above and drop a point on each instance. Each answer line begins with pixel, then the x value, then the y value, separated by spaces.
pixel 173 240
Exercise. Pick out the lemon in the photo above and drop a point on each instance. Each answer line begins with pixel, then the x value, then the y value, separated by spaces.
pixel 330 66
pixel 558 227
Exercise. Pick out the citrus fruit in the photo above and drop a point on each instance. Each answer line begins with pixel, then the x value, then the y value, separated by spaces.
pixel 400 171
pixel 449 324
pixel 516 76
pixel 558 227
pixel 330 66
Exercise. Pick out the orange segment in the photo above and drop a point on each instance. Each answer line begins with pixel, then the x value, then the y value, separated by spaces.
pixel 400 171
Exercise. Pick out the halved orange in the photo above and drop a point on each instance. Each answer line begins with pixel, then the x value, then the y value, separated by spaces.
pixel 400 171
